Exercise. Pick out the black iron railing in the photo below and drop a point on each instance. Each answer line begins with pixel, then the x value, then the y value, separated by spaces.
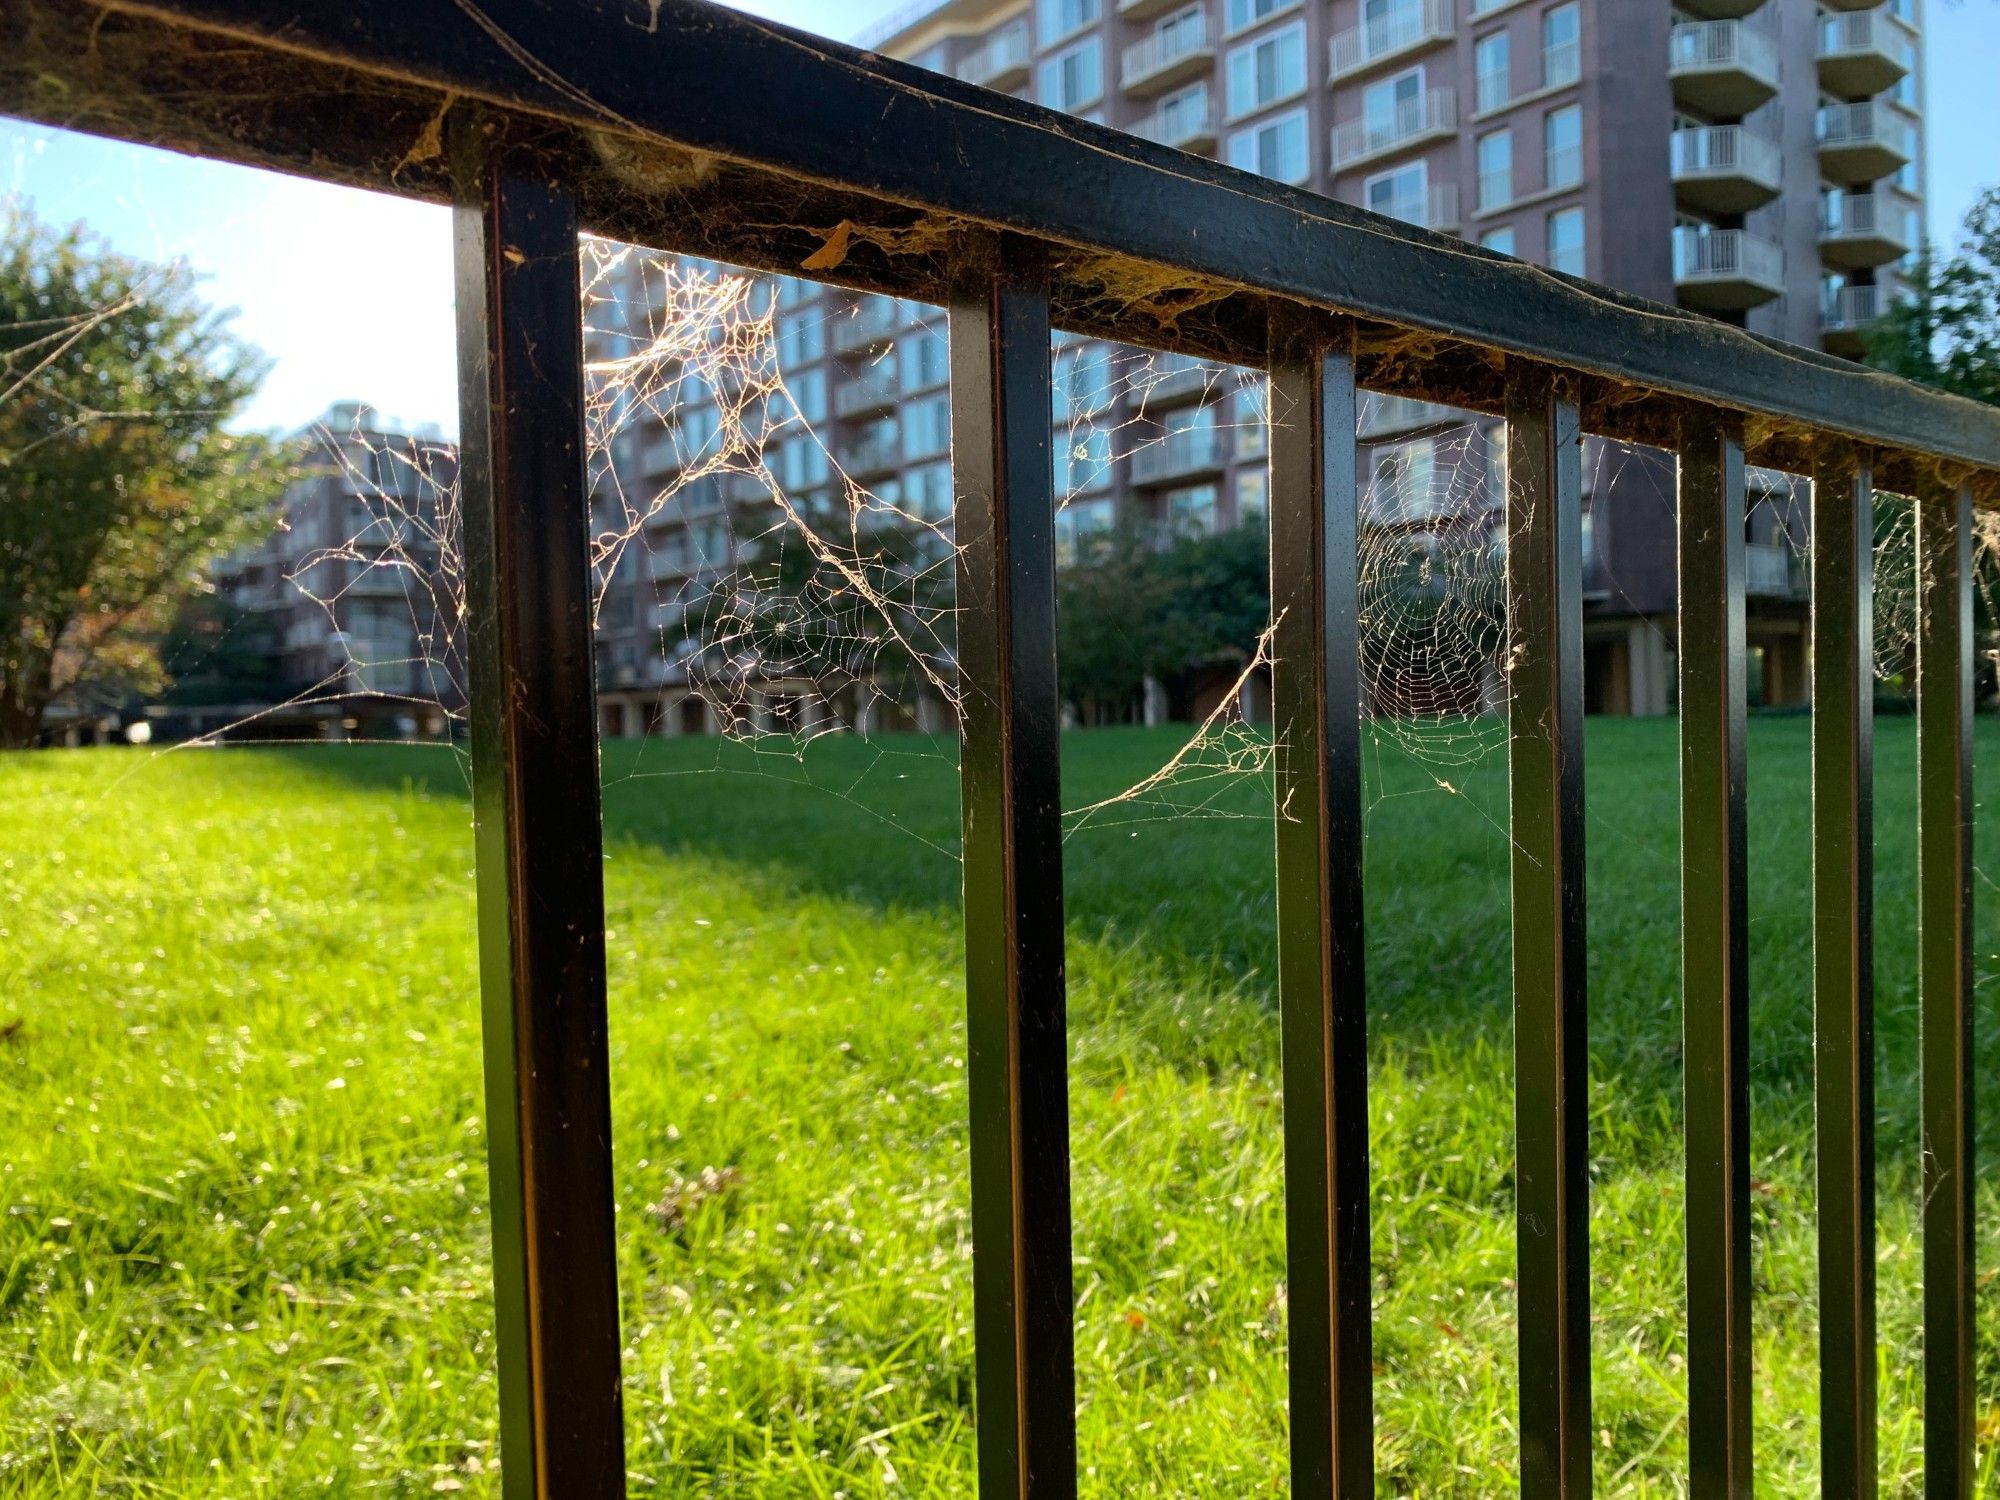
pixel 693 129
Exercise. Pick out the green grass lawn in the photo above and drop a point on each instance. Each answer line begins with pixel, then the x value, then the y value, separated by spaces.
pixel 244 1253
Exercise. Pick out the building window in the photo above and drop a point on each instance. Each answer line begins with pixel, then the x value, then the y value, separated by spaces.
pixel 808 388
pixel 1403 480
pixel 926 359
pixel 1499 240
pixel 1074 80
pixel 1082 385
pixel 802 463
pixel 1496 169
pixel 1566 241
pixel 927 427
pixel 1247 414
pixel 1491 65
pixel 801 338
pixel 1562 53
pixel 1267 70
pixel 1076 522
pixel 927 492
pixel 1401 194
pixel 1182 114
pixel 1083 462
pixel 1253 497
pixel 1394 108
pixel 1191 508
pixel 1562 147
pixel 1246 13
pixel 1058 18
pixel 1276 148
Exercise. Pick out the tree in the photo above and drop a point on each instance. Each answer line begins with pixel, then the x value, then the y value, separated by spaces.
pixel 1130 607
pixel 118 482
pixel 1946 332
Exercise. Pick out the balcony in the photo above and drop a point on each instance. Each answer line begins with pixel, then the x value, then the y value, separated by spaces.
pixel 1145 10
pixel 1431 117
pixel 1862 52
pixel 873 456
pixel 1003 62
pixel 1719 10
pixel 872 326
pixel 1184 51
pixel 1727 169
pixel 1434 208
pixel 874 390
pixel 1407 28
pixel 1721 67
pixel 1768 572
pixel 1397 416
pixel 1726 270
pixel 1187 127
pixel 1178 456
pixel 1860 230
pixel 1861 142
pixel 1848 312
pixel 1170 380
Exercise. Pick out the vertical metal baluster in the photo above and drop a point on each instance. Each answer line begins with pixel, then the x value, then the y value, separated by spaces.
pixel 1551 1045
pixel 539 839
pixel 1944 923
pixel 1715 954
pixel 1010 776
pixel 1843 792
pixel 1316 712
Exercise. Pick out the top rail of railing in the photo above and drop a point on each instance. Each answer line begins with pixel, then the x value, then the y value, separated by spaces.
pixel 690 127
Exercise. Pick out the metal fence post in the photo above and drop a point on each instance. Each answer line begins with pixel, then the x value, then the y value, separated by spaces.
pixel 539 839
pixel 1017 1039
pixel 1944 923
pixel 1322 976
pixel 1551 1044
pixel 1843 791
pixel 1715 953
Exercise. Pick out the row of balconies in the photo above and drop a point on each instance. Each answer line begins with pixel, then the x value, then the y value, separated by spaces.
pixel 1727 270
pixel 1735 168
pixel 1729 67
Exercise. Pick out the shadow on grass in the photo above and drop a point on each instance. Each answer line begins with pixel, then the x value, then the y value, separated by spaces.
pixel 1190 899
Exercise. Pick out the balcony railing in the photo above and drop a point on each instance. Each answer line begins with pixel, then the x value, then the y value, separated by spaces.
pixel 874 390
pixel 1704 253
pixel 1185 126
pixel 1435 207
pixel 1405 27
pixel 1862 51
pixel 1727 167
pixel 1768 571
pixel 1727 66
pixel 1561 64
pixel 1178 455
pixel 1004 60
pixel 1434 113
pixel 1165 56
pixel 1864 229
pixel 873 324
pixel 1849 309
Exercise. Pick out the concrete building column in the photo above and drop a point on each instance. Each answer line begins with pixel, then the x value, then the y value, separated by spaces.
pixel 1646 649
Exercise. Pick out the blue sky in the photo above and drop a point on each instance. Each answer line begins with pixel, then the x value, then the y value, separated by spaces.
pixel 350 292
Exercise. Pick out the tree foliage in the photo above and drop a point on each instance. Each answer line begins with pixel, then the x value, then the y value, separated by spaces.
pixel 1129 607
pixel 118 482
pixel 1946 333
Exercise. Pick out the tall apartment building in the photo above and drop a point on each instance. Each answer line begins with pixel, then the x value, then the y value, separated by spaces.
pixel 352 589
pixel 1756 160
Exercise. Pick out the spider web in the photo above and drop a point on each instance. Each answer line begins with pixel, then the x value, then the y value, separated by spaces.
pixel 759 582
